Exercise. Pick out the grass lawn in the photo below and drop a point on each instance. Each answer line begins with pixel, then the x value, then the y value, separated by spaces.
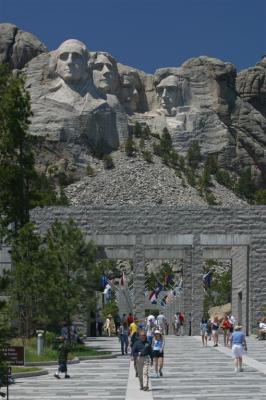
pixel 15 370
pixel 49 354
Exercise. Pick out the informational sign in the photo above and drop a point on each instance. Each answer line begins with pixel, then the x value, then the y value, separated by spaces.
pixel 15 355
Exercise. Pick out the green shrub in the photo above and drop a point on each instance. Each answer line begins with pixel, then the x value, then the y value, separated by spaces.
pixel 211 164
pixel 224 178
pixel 245 186
pixel 108 161
pixel 147 156
pixel 130 147
pixel 260 197
pixel 191 178
pixel 146 133
pixel 89 170
pixel 166 141
pixel 142 144
pixel 210 198
pixel 157 149
pixel 137 130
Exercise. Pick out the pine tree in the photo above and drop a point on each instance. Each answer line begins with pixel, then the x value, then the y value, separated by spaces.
pixel 21 188
pixel 194 155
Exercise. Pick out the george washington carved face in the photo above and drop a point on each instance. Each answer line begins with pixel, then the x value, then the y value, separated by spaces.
pixel 72 61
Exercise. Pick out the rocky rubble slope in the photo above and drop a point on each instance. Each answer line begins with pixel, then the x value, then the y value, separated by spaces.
pixel 135 181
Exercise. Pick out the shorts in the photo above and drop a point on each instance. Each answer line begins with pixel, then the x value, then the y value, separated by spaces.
pixel 204 333
pixel 157 354
pixel 214 331
pixel 237 350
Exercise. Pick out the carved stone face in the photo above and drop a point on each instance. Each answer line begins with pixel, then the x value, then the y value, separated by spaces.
pixel 129 92
pixel 167 91
pixel 105 75
pixel 72 61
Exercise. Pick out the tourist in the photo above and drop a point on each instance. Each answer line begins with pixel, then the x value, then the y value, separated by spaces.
pixel 215 331
pixel 123 337
pixel 204 331
pixel 117 322
pixel 63 350
pixel 99 324
pixel 177 323
pixel 238 344
pixel 182 323
pixel 189 324
pixel 142 351
pixel 133 327
pixel 225 326
pixel 262 329
pixel 158 352
pixel 108 326
pixel 161 323
pixel 150 328
pixel 130 319
pixel 133 339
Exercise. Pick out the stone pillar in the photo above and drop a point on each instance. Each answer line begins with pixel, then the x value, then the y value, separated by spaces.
pixel 240 291
pixel 187 286
pixel 197 293
pixel 139 279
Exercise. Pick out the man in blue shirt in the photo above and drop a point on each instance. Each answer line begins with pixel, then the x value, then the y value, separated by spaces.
pixel 238 344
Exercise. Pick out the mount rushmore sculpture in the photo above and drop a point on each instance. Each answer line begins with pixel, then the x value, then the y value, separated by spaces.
pixel 82 98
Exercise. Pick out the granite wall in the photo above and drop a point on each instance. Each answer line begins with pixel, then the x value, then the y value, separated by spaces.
pixel 191 233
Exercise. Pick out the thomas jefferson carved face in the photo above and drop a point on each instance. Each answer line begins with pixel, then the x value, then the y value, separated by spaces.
pixel 72 57
pixel 130 84
pixel 167 91
pixel 105 75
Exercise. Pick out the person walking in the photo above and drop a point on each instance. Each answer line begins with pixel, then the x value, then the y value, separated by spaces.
pixel 117 322
pixel 161 323
pixel 204 332
pixel 215 329
pixel 142 351
pixel 123 337
pixel 108 325
pixel 158 352
pixel 63 350
pixel 238 345
pixel 225 326
pixel 177 323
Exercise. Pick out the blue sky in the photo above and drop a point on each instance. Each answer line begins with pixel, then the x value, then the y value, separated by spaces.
pixel 149 34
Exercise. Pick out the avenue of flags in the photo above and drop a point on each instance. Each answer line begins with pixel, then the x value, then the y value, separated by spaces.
pixel 163 294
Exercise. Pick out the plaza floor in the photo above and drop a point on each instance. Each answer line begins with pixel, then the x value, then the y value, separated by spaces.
pixel 191 372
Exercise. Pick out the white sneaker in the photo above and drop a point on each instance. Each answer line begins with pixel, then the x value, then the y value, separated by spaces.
pixel 236 370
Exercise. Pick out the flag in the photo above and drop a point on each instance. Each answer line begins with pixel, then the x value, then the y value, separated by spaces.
pixel 107 293
pixel 103 281
pixel 206 280
pixel 158 288
pixel 122 281
pixel 163 301
pixel 153 297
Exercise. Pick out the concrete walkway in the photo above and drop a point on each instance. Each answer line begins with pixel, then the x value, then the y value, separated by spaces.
pixel 191 372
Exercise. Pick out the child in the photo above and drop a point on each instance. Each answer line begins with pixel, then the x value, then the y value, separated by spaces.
pixel 63 350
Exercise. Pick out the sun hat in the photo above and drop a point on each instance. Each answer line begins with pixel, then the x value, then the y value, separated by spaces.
pixel 238 327
pixel 157 331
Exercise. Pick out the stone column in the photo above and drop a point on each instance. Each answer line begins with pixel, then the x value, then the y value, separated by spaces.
pixel 197 293
pixel 240 292
pixel 187 286
pixel 139 279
